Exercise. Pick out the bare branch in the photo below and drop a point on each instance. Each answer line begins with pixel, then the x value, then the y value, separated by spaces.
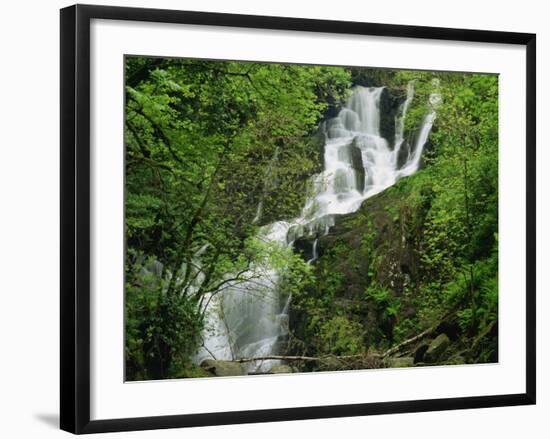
pixel 304 358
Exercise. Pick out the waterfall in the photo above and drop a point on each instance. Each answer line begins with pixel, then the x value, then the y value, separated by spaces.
pixel 246 318
pixel 314 254
pixel 400 123
pixel 413 161
pixel 267 181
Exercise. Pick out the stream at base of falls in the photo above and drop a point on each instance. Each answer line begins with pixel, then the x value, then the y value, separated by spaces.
pixel 249 319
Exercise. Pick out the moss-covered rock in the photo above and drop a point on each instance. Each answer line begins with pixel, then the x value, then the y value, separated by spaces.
pixel 281 368
pixel 367 266
pixel 437 348
pixel 400 362
pixel 193 371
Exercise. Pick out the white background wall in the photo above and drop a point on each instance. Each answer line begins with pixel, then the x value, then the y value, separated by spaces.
pixel 29 249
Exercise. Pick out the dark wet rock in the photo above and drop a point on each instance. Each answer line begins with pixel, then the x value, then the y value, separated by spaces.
pixel 351 153
pixel 390 102
pixel 304 246
pixel 450 326
pixel 404 153
pixel 419 352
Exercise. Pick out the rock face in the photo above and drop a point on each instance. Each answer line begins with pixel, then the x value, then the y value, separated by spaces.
pixel 389 106
pixel 437 348
pixel 304 246
pixel 223 368
pixel 404 152
pixel 368 261
pixel 352 154
pixel 368 284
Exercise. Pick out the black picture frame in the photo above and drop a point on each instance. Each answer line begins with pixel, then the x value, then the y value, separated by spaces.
pixel 75 217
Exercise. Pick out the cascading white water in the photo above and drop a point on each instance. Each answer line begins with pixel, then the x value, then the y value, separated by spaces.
pixel 314 254
pixel 400 123
pixel 247 319
pixel 267 182
pixel 413 160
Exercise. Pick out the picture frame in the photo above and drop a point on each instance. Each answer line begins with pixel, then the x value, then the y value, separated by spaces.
pixel 77 210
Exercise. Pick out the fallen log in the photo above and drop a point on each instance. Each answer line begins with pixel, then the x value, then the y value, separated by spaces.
pixel 306 358
pixel 409 341
pixel 416 338
pixel 277 357
pixel 391 351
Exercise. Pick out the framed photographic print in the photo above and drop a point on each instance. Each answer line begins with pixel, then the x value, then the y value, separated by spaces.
pixel 267 218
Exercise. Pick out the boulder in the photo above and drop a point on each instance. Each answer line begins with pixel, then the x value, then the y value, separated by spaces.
pixel 420 352
pixel 437 347
pixel 223 368
pixel 304 247
pixel 352 155
pixel 390 102
pixel 404 153
pixel 281 368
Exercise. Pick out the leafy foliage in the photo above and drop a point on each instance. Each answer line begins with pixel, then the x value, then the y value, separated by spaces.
pixel 200 139
pixel 215 150
pixel 428 248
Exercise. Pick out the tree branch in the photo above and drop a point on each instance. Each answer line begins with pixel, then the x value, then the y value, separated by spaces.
pixel 416 338
pixel 303 358
pixel 159 131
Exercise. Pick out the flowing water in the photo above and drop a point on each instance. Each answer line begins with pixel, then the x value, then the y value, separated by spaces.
pixel 250 318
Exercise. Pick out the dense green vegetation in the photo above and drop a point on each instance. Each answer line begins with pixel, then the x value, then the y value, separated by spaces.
pixel 200 138
pixel 424 253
